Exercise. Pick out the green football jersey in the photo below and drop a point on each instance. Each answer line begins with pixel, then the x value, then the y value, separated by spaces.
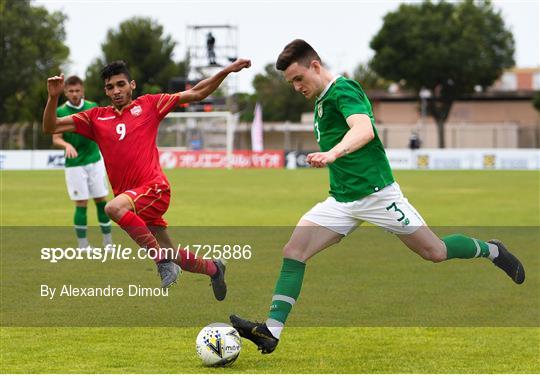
pixel 87 150
pixel 364 171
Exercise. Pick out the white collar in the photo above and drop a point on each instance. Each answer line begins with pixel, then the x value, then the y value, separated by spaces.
pixel 68 103
pixel 328 87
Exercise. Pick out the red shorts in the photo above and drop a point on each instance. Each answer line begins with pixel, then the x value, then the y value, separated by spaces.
pixel 150 201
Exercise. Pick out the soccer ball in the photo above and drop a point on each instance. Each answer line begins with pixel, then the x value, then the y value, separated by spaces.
pixel 218 344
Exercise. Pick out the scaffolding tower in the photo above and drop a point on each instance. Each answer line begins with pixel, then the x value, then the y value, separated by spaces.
pixel 206 58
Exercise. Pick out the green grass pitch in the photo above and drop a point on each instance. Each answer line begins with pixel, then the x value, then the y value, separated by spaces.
pixel 342 322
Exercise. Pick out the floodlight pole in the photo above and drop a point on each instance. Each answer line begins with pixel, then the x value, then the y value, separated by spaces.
pixel 424 95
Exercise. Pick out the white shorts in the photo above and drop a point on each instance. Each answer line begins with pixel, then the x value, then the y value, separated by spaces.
pixel 386 208
pixel 85 182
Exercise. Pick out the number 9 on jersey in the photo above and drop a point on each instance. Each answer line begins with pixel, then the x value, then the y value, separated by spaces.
pixel 121 130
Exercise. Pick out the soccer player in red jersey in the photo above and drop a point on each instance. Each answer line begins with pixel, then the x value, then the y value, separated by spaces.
pixel 126 135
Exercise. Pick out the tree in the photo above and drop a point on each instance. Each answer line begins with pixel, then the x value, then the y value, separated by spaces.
pixel 244 104
pixel 32 49
pixel 447 48
pixel 141 44
pixel 369 79
pixel 277 97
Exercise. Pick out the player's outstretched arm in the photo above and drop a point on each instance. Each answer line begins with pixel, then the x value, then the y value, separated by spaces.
pixel 52 124
pixel 360 134
pixel 208 86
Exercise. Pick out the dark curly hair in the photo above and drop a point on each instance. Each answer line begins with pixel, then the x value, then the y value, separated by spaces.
pixel 114 68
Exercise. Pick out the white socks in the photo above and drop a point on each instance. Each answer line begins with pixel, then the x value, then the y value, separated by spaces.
pixel 275 327
pixel 493 251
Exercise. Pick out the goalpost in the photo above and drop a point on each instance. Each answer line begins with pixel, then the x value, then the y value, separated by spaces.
pixel 212 131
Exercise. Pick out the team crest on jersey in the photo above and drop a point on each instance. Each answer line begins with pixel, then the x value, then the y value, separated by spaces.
pixel 136 111
pixel 320 109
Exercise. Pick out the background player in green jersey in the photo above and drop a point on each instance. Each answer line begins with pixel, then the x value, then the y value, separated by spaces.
pixel 85 172
pixel 362 188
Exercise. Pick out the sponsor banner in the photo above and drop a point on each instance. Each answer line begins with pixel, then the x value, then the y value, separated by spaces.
pixel 31 160
pixel 427 159
pixel 467 159
pixel 449 159
pixel 400 159
pixel 219 159
pixel 296 159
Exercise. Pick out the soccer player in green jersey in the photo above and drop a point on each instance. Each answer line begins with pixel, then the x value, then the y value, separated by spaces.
pixel 362 188
pixel 85 172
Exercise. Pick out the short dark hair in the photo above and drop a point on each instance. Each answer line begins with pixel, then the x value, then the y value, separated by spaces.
pixel 298 51
pixel 114 68
pixel 73 80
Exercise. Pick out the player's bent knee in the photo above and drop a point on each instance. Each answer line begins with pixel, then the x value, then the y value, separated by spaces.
pixel 110 209
pixel 114 211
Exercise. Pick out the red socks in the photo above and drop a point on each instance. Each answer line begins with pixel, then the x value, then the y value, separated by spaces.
pixel 190 263
pixel 136 228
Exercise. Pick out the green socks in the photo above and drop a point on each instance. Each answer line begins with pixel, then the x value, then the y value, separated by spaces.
pixel 286 293
pixel 103 218
pixel 104 222
pixel 80 226
pixel 461 246
pixel 80 221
